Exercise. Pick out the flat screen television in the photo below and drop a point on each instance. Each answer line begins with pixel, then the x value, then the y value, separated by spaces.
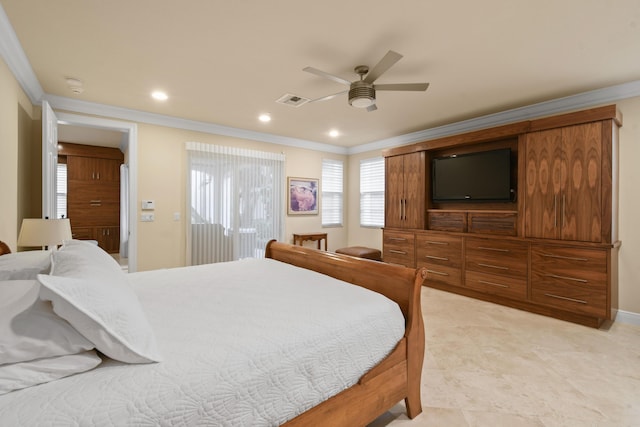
pixel 474 177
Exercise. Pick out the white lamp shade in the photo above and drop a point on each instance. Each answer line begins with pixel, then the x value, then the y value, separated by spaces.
pixel 44 232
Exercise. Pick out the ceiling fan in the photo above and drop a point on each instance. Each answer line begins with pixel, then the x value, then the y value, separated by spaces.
pixel 362 93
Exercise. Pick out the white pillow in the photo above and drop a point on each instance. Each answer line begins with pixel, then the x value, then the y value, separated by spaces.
pixel 29 329
pixel 15 376
pixel 24 265
pixel 89 290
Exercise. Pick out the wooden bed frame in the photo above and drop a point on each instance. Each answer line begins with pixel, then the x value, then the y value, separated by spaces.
pixel 398 376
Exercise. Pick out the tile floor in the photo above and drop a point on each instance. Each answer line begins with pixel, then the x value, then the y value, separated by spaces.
pixel 488 365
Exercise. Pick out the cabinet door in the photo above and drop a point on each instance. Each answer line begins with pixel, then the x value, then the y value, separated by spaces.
pixel 394 191
pixel 108 170
pixel 405 191
pixel 581 211
pixel 81 168
pixel 543 181
pixel 414 190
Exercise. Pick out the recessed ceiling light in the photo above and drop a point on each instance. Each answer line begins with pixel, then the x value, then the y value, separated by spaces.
pixel 159 95
pixel 333 133
pixel 265 118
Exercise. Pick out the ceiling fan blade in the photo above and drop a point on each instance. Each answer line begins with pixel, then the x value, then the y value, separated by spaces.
pixel 328 97
pixel 403 86
pixel 326 75
pixel 371 108
pixel 385 63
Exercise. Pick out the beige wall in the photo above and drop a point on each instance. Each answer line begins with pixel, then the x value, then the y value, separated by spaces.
pixel 629 206
pixel 16 121
pixel 161 177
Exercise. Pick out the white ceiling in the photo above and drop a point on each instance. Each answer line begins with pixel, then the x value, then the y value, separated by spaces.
pixel 225 62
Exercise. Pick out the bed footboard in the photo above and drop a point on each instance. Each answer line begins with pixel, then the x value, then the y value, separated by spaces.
pixel 398 376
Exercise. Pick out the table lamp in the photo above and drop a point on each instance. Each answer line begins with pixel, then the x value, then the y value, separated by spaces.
pixel 44 232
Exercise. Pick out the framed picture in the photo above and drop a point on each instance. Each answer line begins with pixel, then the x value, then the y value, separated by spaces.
pixel 303 196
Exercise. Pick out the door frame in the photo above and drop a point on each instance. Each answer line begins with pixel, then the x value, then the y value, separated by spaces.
pixel 129 146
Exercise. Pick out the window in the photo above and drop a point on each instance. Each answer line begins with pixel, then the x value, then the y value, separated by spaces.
pixel 372 192
pixel 331 203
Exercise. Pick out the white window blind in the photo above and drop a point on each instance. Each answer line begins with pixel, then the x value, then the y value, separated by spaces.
pixel 61 190
pixel 236 200
pixel 372 192
pixel 332 189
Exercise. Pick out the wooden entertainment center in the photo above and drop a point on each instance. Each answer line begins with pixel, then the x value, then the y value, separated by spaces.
pixel 552 250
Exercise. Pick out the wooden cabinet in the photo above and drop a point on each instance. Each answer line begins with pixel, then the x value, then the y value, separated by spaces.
pixel 497 267
pixel 93 169
pixel 399 248
pixel 108 238
pixel 93 193
pixel 405 193
pixel 553 250
pixel 563 183
pixel 441 255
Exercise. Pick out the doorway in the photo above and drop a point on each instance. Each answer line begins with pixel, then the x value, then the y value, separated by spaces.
pixel 106 132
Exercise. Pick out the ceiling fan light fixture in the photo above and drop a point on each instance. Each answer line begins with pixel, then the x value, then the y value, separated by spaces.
pixel 362 95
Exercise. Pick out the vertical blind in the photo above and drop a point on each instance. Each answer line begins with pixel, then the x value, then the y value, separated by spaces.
pixel 372 192
pixel 332 189
pixel 236 200
pixel 61 190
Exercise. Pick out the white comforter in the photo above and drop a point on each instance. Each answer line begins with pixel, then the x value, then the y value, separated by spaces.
pixel 253 342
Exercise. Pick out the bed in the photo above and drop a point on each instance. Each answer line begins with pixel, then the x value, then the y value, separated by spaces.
pixel 213 369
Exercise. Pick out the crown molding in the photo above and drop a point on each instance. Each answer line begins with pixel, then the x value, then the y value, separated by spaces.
pixel 15 58
pixel 533 111
pixel 85 107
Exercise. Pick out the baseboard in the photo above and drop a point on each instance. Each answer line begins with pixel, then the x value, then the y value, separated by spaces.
pixel 628 317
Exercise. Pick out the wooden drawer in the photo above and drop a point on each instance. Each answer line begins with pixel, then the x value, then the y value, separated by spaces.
pixel 90 192
pixel 442 274
pixel 438 249
pixel 581 263
pixel 399 248
pixel 510 287
pixel 492 223
pixel 447 221
pixel 573 279
pixel 501 257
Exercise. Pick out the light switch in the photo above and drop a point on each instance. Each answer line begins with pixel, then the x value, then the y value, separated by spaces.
pixel 147 217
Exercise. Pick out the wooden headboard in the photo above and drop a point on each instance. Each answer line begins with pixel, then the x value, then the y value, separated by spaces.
pixel 4 248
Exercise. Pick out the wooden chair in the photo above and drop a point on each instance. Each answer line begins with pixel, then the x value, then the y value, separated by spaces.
pixel 4 248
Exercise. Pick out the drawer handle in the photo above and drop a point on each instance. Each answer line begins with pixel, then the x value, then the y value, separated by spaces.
pixel 574 279
pixel 565 257
pixel 566 298
pixel 493 249
pixel 431 242
pixel 499 267
pixel 398 239
pixel 95 201
pixel 493 283
pixel 439 273
pixel 95 204
pixel 397 252
pixel 440 258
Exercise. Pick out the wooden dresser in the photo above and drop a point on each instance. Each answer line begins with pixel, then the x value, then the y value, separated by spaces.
pixel 551 250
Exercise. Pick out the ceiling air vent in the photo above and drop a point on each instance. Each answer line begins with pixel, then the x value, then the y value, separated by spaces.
pixel 292 100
